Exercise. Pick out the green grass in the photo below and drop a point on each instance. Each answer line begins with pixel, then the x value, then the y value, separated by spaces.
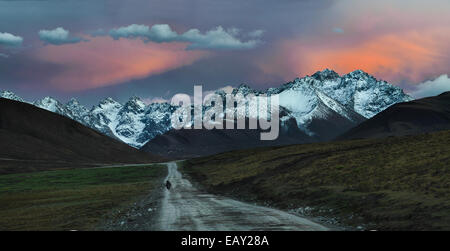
pixel 71 199
pixel 391 183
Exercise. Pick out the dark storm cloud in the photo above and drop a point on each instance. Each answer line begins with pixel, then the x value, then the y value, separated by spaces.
pixel 32 73
pixel 28 77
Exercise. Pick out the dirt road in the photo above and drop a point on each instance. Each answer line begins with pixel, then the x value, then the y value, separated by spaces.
pixel 184 207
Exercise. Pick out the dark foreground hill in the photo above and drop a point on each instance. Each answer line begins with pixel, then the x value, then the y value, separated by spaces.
pixel 409 118
pixel 34 139
pixel 393 183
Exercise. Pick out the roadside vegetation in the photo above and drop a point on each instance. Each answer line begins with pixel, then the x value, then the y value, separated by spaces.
pixel 395 183
pixel 75 199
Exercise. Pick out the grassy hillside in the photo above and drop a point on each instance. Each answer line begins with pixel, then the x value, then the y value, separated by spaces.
pixel 71 199
pixel 391 183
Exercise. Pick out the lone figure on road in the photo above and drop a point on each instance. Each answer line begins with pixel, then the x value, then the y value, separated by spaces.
pixel 168 185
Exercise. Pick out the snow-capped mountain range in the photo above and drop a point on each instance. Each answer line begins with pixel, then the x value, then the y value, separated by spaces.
pixel 323 105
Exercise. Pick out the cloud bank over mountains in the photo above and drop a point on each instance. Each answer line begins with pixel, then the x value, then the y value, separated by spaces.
pixel 214 39
pixel 432 87
pixel 217 38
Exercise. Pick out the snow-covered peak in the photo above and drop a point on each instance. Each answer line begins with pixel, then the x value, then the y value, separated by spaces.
pixel 51 104
pixel 74 105
pixel 221 93
pixel 367 95
pixel 135 105
pixel 77 111
pixel 129 123
pixel 358 74
pixel 301 100
pixel 158 107
pixel 107 107
pixel 326 74
pixel 102 116
pixel 73 102
pixel 10 95
pixel 159 112
pixel 108 102
pixel 358 91
pixel 244 90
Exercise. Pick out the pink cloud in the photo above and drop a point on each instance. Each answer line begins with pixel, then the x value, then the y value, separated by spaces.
pixel 394 57
pixel 103 61
pixel 393 40
pixel 397 57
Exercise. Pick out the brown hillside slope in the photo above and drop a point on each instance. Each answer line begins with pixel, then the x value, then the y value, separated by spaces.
pixel 34 139
pixel 390 183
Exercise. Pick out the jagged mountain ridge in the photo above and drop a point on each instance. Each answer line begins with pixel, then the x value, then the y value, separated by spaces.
pixel 323 106
pixel 345 101
pixel 10 95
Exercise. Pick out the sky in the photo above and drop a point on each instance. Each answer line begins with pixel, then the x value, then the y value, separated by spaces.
pixel 92 49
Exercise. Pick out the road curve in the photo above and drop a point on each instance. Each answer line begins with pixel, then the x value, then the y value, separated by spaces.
pixel 183 207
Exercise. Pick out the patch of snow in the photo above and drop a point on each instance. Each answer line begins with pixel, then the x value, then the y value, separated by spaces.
pixel 10 95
